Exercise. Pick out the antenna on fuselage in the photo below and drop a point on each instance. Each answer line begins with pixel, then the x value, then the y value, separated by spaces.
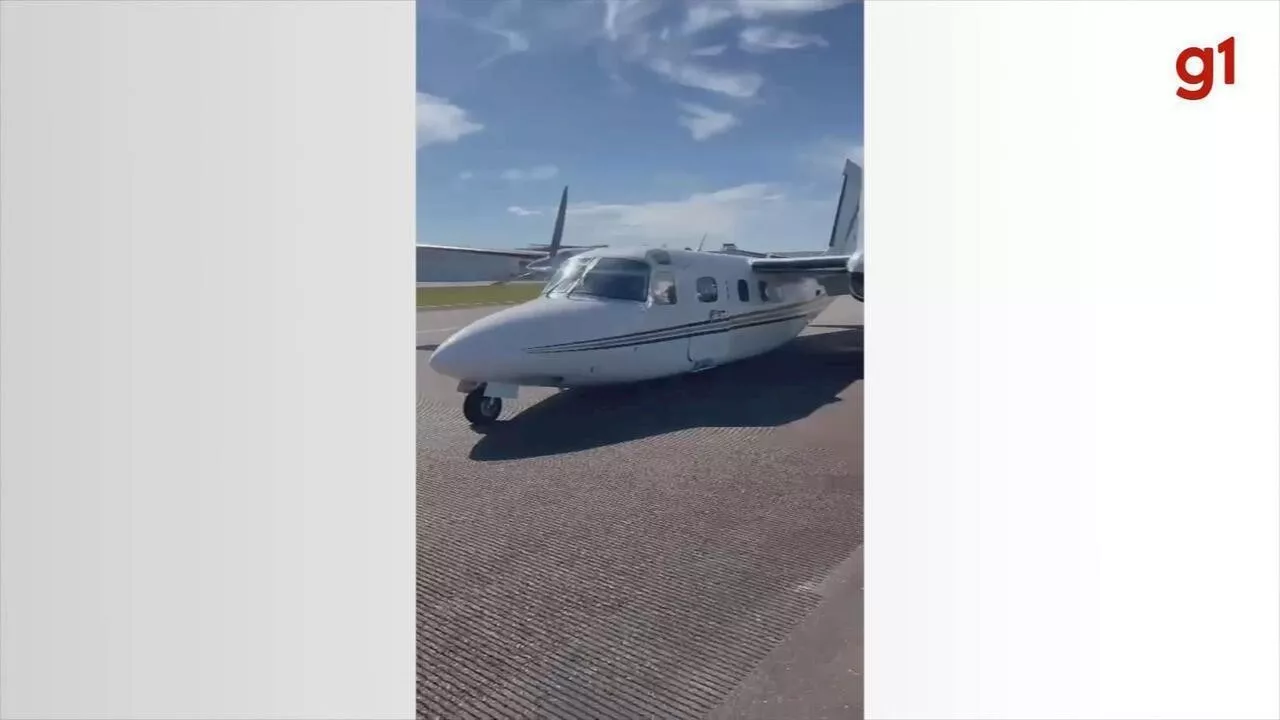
pixel 700 242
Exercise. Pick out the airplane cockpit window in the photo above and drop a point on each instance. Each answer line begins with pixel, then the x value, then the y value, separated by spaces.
pixel 601 277
pixel 663 289
pixel 568 274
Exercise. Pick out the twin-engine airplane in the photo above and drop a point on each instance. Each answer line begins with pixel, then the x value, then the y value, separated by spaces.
pixel 615 315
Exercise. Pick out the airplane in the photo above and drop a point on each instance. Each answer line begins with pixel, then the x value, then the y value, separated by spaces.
pixel 620 315
pixel 542 261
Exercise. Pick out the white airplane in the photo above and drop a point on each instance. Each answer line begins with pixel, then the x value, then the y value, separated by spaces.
pixel 615 315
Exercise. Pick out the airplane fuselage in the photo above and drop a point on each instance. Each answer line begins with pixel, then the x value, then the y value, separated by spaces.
pixel 690 313
pixel 617 315
pixel 662 347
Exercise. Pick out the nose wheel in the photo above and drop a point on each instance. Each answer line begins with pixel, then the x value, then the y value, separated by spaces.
pixel 481 410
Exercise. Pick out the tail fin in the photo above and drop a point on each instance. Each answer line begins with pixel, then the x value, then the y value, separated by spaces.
pixel 559 231
pixel 846 229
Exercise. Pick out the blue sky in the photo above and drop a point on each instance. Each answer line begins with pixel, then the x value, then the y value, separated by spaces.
pixel 667 119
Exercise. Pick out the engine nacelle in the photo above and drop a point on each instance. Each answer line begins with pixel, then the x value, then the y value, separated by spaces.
pixel 856 286
pixel 856 278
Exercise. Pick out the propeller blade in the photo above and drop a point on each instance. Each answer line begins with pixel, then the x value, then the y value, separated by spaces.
pixel 558 232
pixel 515 278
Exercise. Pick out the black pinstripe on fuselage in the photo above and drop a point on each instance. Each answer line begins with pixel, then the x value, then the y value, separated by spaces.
pixel 755 318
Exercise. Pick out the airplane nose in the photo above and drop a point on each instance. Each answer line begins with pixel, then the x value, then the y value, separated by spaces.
pixel 455 358
pixel 482 354
pixel 492 349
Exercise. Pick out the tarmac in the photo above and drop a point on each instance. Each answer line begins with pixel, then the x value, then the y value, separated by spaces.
pixel 684 548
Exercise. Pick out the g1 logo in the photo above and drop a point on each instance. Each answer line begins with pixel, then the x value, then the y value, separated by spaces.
pixel 1198 85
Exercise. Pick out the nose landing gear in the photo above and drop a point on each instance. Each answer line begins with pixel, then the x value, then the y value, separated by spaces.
pixel 481 410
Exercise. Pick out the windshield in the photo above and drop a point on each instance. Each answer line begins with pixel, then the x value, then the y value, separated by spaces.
pixel 569 272
pixel 610 278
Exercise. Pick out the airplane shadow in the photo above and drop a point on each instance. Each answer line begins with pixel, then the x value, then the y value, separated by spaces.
pixel 770 390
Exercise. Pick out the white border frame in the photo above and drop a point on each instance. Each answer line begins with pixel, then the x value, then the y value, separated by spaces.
pixel 206 359
pixel 1073 363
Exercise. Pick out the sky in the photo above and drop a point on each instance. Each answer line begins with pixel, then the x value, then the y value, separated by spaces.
pixel 668 120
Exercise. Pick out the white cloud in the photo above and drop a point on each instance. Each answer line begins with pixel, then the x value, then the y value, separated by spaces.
pixel 755 9
pixel 703 122
pixel 762 39
pixel 516 43
pixel 679 221
pixel 626 32
pixel 757 216
pixel 498 23
pixel 704 14
pixel 466 175
pixel 633 39
pixel 829 154
pixel 522 212
pixel 440 121
pixel 521 26
pixel 733 84
pixel 541 172
pixel 708 51
pixel 624 17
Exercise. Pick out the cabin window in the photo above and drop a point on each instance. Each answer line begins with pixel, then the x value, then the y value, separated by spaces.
pixel 764 291
pixel 601 277
pixel 663 290
pixel 744 291
pixel 708 290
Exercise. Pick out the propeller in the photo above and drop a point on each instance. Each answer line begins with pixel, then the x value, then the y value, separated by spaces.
pixel 515 278
pixel 558 232
pixel 556 235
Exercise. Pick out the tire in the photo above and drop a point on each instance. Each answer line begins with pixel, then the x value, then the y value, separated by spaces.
pixel 481 410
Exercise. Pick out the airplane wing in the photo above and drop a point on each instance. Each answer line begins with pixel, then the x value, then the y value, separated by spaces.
pixel 733 249
pixel 844 253
pixel 839 274
pixel 815 264
pixel 530 254
pixel 524 254
pixel 844 248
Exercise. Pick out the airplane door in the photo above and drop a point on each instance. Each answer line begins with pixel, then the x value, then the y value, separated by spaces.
pixel 709 348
